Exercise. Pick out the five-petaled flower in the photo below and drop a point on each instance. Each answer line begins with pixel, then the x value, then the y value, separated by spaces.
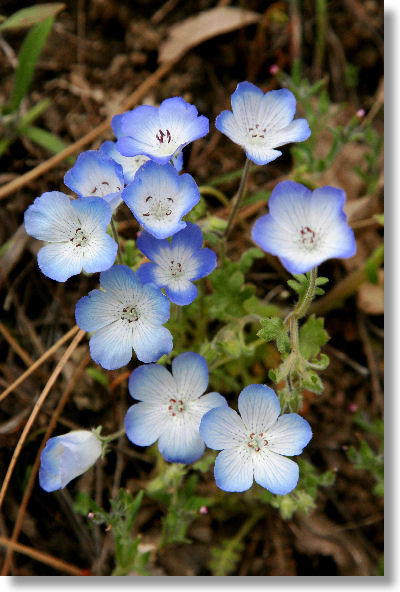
pixel 262 122
pixel 304 228
pixel 66 457
pixel 158 198
pixel 76 233
pixel 174 265
pixel 171 407
pixel 252 445
pixel 159 133
pixel 95 174
pixel 124 315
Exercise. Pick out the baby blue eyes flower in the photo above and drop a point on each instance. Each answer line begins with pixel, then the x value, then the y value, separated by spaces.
pixel 94 174
pixel 124 315
pixel 305 228
pixel 252 445
pixel 174 265
pixel 76 233
pixel 159 133
pixel 158 198
pixel 66 457
pixel 262 122
pixel 171 407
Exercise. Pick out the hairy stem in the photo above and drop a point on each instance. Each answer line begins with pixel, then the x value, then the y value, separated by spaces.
pixel 238 198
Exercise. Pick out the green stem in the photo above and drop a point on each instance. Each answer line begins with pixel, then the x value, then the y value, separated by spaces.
pixel 115 235
pixel 304 302
pixel 114 436
pixel 238 198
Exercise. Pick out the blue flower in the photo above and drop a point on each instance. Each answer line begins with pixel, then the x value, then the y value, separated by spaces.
pixel 124 315
pixel 158 198
pixel 93 174
pixel 252 445
pixel 177 263
pixel 262 122
pixel 305 228
pixel 76 233
pixel 66 457
pixel 159 133
pixel 171 407
pixel 131 164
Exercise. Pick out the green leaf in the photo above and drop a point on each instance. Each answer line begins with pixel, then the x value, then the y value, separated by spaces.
pixel 43 138
pixel 26 17
pixel 98 375
pixel 312 337
pixel 255 306
pixel 371 271
pixel 273 329
pixel 27 59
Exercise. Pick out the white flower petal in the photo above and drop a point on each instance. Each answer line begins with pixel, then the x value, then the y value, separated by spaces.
pixel 190 372
pixel 259 407
pixel 276 473
pixel 233 469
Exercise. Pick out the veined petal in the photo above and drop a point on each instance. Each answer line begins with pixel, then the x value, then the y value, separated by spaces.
pixel 188 239
pixel 93 213
pixel 147 273
pixel 94 175
pixel 111 346
pixel 151 342
pixel 209 401
pixel 96 310
pixel 297 131
pixel 51 217
pixel 233 469
pixel 100 254
pixel 246 102
pixel 180 442
pixel 228 125
pixel 130 164
pixel 222 428
pixel 206 261
pixel 190 372
pixel 153 248
pixel 289 203
pixel 141 126
pixel 144 424
pixel 152 384
pixel 276 473
pixel 181 292
pixel 260 154
pixel 276 111
pixel 259 407
pixel 121 282
pixel 60 261
pixel 289 435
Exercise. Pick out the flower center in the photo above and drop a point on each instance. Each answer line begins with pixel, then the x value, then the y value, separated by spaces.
pixel 308 237
pixel 257 132
pixel 257 441
pixel 175 268
pixel 175 406
pixel 130 313
pixel 163 137
pixel 79 239
pixel 103 188
pixel 158 208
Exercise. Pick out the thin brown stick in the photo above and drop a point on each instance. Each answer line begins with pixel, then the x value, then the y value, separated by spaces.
pixel 47 165
pixel 38 362
pixel 69 351
pixel 42 557
pixel 32 477
pixel 25 357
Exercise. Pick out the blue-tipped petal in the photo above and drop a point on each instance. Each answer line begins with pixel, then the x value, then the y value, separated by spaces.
pixel 183 294
pixel 222 428
pixel 227 124
pixel 152 247
pixel 290 434
pixel 261 155
pixel 95 175
pixel 59 261
pixel 297 131
pixel 49 217
pixel 190 372
pixel 130 164
pixel 206 263
pixel 190 238
pixel 96 310
pixel 233 469
pixel 152 343
pixel 147 273
pixel 278 109
pixel 120 281
pixel 259 407
pixel 181 442
pixel 111 346
pixel 144 424
pixel 276 473
pixel 152 383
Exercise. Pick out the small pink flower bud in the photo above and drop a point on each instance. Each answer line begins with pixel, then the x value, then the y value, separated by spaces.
pixel 353 407
pixel 90 515
pixel 203 510
pixel 274 69
pixel 360 113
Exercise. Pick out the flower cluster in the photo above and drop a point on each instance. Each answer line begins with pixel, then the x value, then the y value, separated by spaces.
pixel 127 314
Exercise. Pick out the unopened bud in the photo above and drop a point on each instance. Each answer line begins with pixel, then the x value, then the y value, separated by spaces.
pixel 353 407
pixel 360 113
pixel 274 69
pixel 203 510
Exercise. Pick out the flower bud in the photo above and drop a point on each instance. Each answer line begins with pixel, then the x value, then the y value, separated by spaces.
pixel 66 457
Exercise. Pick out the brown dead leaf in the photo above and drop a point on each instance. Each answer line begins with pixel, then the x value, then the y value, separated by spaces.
pixel 205 25
pixel 370 297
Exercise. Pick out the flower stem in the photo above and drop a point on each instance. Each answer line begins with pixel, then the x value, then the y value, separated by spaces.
pixel 115 235
pixel 238 198
pixel 114 436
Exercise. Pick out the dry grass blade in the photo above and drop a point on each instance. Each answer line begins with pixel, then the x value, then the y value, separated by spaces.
pixel 38 405
pixel 38 362
pixel 32 477
pixel 53 562
pixel 25 357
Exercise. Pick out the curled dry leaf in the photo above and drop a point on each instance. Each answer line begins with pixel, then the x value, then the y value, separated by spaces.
pixel 205 25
